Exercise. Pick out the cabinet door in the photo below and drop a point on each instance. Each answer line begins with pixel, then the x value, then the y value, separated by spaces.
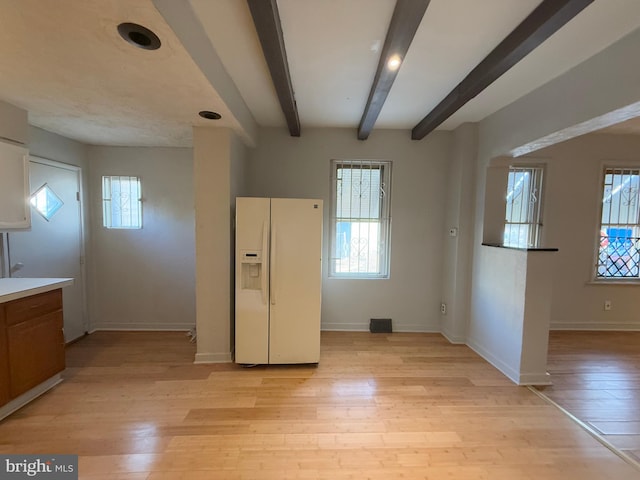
pixel 36 351
pixel 4 367
pixel 14 187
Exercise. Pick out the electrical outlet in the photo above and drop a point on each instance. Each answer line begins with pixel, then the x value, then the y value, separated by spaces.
pixel 607 305
pixel 443 308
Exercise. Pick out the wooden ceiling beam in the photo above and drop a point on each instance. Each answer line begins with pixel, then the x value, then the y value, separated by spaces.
pixel 405 20
pixel 267 22
pixel 544 21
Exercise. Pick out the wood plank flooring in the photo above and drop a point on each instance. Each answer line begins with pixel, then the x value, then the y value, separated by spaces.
pixel 378 406
pixel 596 377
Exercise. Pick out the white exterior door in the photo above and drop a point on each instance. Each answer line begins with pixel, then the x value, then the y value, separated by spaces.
pixel 296 280
pixel 53 247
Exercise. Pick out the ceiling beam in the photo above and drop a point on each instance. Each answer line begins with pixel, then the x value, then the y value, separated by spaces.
pixel 267 22
pixel 405 20
pixel 544 21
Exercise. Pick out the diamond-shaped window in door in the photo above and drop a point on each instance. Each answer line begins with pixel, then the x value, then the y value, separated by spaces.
pixel 46 202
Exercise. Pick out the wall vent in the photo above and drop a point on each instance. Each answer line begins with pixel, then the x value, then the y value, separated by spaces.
pixel 380 325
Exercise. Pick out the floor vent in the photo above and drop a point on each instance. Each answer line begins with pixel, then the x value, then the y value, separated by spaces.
pixel 380 325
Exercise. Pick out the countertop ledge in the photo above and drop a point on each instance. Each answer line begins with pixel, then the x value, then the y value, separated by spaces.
pixel 524 249
pixel 14 288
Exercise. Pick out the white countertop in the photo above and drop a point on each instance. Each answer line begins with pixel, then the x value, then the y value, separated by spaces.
pixel 13 288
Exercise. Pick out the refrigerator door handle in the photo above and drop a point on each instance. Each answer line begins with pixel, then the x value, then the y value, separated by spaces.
pixel 263 279
pixel 272 265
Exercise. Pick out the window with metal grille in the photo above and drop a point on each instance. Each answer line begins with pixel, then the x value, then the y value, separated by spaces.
pixel 121 202
pixel 523 213
pixel 360 219
pixel 618 251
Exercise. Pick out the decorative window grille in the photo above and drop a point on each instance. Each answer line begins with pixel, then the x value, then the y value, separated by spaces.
pixel 360 218
pixel 618 251
pixel 523 213
pixel 121 202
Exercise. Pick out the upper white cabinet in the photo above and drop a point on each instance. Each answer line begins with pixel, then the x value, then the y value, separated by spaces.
pixel 14 187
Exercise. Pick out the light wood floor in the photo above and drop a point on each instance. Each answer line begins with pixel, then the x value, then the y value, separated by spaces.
pixel 596 377
pixel 378 406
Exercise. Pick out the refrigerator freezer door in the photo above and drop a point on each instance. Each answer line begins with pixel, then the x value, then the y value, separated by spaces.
pixel 252 280
pixel 296 280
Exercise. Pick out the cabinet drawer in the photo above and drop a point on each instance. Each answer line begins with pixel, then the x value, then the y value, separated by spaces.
pixel 34 306
pixel 36 351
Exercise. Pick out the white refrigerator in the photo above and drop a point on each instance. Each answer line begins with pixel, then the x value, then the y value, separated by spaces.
pixel 278 280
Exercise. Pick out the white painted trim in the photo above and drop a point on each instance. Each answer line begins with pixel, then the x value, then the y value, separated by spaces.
pixel 509 372
pixel 539 379
pixel 212 358
pixel 364 327
pixel 344 327
pixel 29 396
pixel 596 327
pixel 142 327
pixel 454 339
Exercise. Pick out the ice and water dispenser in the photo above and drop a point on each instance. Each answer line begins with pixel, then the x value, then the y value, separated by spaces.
pixel 251 274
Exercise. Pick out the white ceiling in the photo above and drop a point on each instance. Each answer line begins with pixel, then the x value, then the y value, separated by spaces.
pixel 69 68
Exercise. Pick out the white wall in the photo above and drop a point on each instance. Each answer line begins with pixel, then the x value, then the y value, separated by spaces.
pixel 604 88
pixel 571 223
pixel 144 279
pixel 284 166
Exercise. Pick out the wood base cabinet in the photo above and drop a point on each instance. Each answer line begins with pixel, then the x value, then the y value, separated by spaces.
pixel 34 342
pixel 4 364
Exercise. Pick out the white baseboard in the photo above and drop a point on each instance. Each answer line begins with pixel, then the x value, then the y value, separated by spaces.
pixel 212 358
pixel 454 339
pixel 596 327
pixel 523 379
pixel 538 379
pixel 344 327
pixel 509 372
pixel 364 327
pixel 29 396
pixel 142 327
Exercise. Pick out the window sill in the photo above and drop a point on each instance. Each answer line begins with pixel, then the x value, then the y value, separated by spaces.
pixel 632 282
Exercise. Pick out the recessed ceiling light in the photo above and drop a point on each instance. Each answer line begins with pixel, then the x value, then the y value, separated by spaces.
pixel 394 62
pixel 210 115
pixel 139 36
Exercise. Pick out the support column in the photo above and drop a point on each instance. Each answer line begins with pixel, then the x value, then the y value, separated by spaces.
pixel 212 178
pixel 459 233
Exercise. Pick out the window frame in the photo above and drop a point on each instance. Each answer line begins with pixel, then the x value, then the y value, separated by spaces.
pixel 535 224
pixel 107 203
pixel 609 280
pixel 384 220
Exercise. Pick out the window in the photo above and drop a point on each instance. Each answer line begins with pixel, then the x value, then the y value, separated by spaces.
pixel 618 254
pixel 360 219
pixel 121 202
pixel 46 202
pixel 523 221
